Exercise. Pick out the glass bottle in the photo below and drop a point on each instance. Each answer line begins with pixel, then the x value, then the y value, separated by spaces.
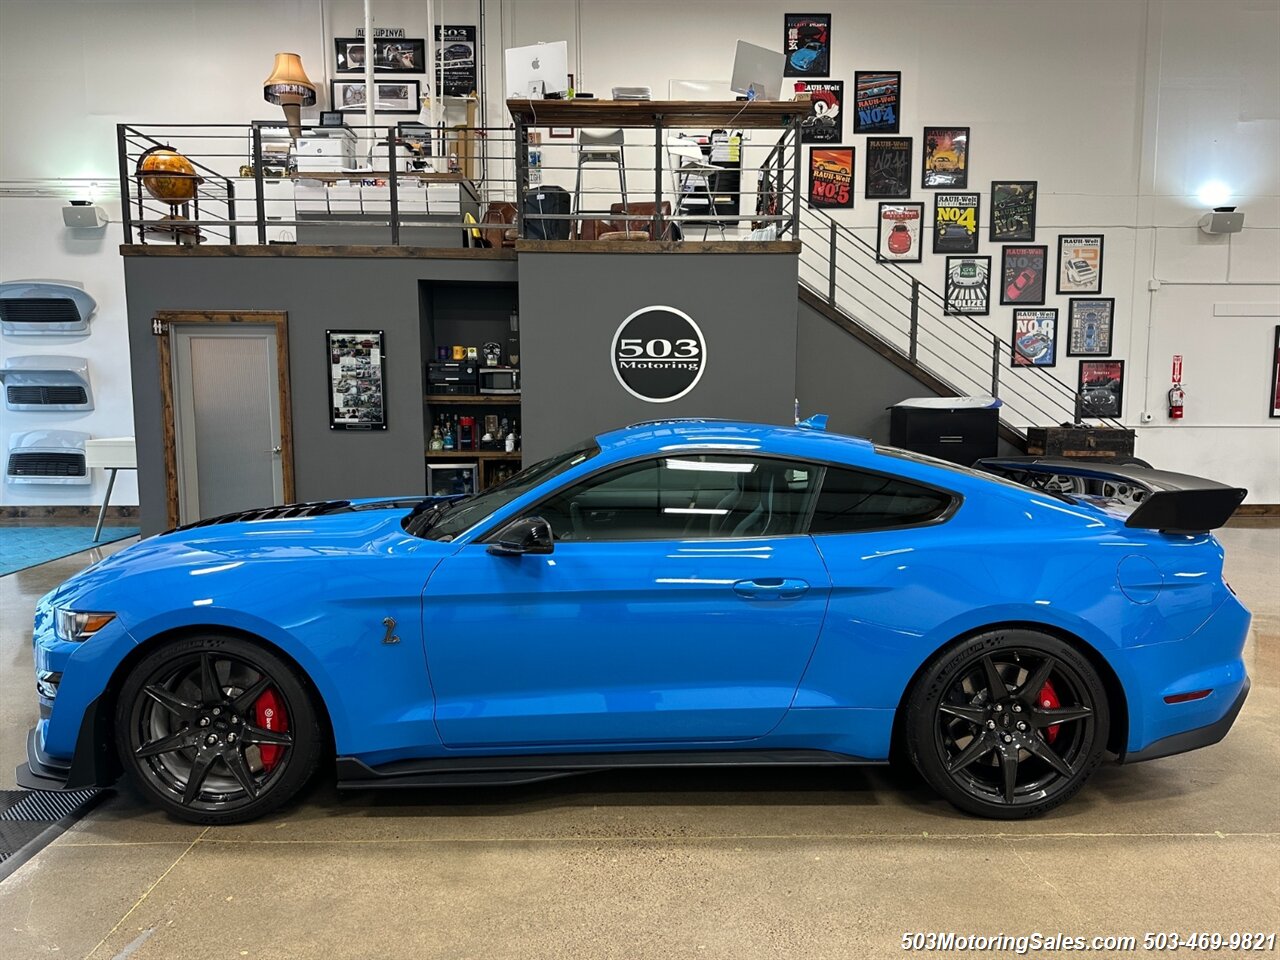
pixel 437 441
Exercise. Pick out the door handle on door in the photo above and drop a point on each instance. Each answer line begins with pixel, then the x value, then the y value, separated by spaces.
pixel 276 449
pixel 771 588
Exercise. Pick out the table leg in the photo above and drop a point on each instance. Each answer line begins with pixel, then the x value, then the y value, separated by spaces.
pixel 111 482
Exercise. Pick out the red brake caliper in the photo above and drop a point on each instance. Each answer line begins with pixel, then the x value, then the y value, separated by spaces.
pixel 270 716
pixel 1048 700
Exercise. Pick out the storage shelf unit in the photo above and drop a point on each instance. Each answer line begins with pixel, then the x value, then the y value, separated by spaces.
pixel 472 455
pixel 465 400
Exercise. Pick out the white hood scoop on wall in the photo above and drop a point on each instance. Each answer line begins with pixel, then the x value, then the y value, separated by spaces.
pixel 47 456
pixel 45 307
pixel 47 384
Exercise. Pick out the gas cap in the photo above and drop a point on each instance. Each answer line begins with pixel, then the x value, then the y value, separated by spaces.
pixel 1139 579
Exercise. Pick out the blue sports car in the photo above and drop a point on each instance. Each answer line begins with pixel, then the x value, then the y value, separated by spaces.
pixel 673 593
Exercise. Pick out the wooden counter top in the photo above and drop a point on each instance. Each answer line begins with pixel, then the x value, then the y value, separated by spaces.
pixel 718 114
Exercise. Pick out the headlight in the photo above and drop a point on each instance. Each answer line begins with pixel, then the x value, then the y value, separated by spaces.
pixel 78 627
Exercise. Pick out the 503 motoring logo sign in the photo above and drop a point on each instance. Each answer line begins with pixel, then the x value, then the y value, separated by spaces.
pixel 658 354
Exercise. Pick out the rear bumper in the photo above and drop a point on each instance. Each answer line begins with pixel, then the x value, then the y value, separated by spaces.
pixel 1192 739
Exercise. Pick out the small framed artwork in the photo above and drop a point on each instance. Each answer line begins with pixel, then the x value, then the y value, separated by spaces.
pixel 806 39
pixel 1013 210
pixel 447 479
pixel 1089 323
pixel 391 96
pixel 1034 342
pixel 357 379
pixel 877 101
pixel 1101 388
pixel 1275 379
pixel 390 55
pixel 945 158
pixel 561 133
pixel 955 222
pixel 888 168
pixel 1022 271
pixel 831 177
pixel 825 122
pixel 1079 263
pixel 898 232
pixel 968 286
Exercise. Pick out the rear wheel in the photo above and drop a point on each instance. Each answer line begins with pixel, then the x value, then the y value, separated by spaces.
pixel 1008 724
pixel 216 729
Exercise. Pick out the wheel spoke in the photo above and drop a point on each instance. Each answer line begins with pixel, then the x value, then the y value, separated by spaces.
pixel 175 705
pixel 195 779
pixel 167 744
pixel 1029 692
pixel 252 734
pixel 210 692
pixel 251 694
pixel 995 683
pixel 1052 716
pixel 1039 748
pixel 978 746
pixel 1009 767
pixel 974 715
pixel 234 760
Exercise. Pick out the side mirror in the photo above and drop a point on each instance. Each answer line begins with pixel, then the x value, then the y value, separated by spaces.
pixel 527 535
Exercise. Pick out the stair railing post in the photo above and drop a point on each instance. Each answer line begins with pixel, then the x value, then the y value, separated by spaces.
pixel 915 317
pixel 995 367
pixel 831 266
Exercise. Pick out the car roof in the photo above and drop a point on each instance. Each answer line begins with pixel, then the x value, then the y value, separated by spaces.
pixel 657 435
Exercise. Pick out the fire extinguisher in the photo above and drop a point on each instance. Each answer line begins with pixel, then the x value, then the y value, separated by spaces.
pixel 1177 397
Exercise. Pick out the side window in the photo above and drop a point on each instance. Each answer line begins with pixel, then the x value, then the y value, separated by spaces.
pixel 686 496
pixel 851 501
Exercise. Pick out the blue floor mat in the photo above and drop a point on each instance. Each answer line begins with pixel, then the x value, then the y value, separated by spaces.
pixel 22 547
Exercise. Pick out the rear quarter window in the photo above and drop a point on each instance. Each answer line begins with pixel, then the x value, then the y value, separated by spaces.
pixel 851 500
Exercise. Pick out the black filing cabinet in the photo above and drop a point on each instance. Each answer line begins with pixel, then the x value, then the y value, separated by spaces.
pixel 958 434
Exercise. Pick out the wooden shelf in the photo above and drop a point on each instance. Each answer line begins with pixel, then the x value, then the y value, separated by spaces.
pixel 502 400
pixel 472 455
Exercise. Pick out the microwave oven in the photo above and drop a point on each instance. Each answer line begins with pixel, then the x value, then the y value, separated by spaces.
pixel 499 379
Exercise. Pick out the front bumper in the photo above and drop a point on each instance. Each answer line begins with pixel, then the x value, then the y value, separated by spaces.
pixel 93 763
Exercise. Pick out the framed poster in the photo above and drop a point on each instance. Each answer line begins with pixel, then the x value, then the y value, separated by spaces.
pixel 357 378
pixel 831 177
pixel 877 101
pixel 392 96
pixel 1275 378
pixel 1022 271
pixel 1101 388
pixel 455 57
pixel 946 158
pixel 1079 263
pixel 824 123
pixel 968 286
pixel 1089 323
pixel 390 55
pixel 888 168
pixel 1034 342
pixel 806 41
pixel 955 222
pixel 1013 210
pixel 898 232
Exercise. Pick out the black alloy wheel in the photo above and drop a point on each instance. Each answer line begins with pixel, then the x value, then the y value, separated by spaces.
pixel 1008 724
pixel 216 729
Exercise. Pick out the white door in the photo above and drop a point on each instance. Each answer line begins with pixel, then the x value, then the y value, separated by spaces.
pixel 226 414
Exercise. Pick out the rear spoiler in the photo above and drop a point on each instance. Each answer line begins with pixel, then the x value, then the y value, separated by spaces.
pixel 1174 502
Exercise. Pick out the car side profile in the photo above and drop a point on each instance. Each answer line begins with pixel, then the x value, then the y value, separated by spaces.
pixel 674 593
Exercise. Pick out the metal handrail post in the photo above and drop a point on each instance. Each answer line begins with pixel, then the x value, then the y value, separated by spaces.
pixel 392 183
pixel 122 152
pixel 915 318
pixel 259 187
pixel 657 180
pixel 831 266
pixel 995 367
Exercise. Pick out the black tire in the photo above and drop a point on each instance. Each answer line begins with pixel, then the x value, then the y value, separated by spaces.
pixel 191 707
pixel 1001 757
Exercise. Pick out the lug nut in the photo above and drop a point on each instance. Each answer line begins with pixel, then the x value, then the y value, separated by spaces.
pixel 997 708
pixel 216 711
pixel 204 721
pixel 1008 738
pixel 991 724
pixel 1017 708
pixel 231 738
pixel 1021 725
pixel 235 719
pixel 211 739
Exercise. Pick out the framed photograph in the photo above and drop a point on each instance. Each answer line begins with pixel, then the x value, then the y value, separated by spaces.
pixel 806 41
pixel 445 479
pixel 390 55
pixel 1101 388
pixel 824 124
pixel 392 96
pixel 945 158
pixel 955 222
pixel 888 168
pixel 1089 323
pixel 831 177
pixel 1013 210
pixel 455 59
pixel 1275 378
pixel 1079 263
pixel 357 379
pixel 562 133
pixel 877 101
pixel 898 232
pixel 968 286
pixel 1022 275
pixel 1034 342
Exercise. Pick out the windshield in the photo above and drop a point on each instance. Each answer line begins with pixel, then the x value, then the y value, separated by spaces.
pixel 444 520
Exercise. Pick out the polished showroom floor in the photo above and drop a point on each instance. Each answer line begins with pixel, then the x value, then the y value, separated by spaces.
pixel 735 865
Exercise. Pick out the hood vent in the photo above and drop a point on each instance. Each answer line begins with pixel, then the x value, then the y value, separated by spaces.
pixel 45 307
pixel 52 384
pixel 47 456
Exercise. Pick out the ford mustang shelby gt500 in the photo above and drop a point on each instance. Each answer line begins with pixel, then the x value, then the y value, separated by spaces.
pixel 677 592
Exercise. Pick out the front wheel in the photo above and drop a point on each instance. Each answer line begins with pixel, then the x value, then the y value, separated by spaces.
pixel 1008 724
pixel 216 729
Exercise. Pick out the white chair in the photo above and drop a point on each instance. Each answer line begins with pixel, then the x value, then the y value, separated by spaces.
pixel 603 147
pixel 689 170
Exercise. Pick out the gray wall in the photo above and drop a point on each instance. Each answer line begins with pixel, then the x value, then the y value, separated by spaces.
pixel 572 303
pixel 318 294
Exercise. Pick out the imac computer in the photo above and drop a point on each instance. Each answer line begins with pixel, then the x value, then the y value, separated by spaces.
pixel 533 72
pixel 757 72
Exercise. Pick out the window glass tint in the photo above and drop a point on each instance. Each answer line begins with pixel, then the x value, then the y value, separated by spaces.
pixel 687 496
pixel 864 501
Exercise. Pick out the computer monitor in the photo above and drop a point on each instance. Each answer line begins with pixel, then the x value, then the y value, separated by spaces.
pixel 546 64
pixel 759 69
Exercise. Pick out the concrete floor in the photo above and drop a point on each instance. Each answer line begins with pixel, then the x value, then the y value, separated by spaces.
pixel 811 864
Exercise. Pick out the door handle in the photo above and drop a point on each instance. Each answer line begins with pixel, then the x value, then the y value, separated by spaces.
pixel 771 588
pixel 276 449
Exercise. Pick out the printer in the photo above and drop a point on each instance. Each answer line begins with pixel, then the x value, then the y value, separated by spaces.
pixel 325 148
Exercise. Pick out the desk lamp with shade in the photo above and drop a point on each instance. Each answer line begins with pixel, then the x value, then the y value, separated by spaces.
pixel 290 87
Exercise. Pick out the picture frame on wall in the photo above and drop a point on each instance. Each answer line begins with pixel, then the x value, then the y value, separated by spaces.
pixel 1090 321
pixel 898 232
pixel 1034 340
pixel 877 101
pixel 945 158
pixel 1275 378
pixel 391 96
pixel 1013 210
pixel 825 122
pixel 390 55
pixel 1100 388
pixel 967 286
pixel 806 43
pixel 955 222
pixel 889 168
pixel 357 379
pixel 831 177
pixel 1079 263
pixel 1022 275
